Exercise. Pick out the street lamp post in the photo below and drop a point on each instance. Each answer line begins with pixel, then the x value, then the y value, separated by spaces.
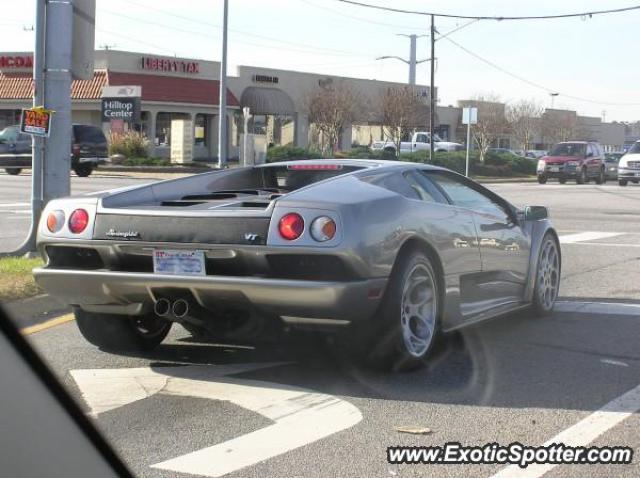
pixel 222 124
pixel 245 140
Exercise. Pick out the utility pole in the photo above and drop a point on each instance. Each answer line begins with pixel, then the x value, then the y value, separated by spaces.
pixel 222 104
pixel 412 57
pixel 432 108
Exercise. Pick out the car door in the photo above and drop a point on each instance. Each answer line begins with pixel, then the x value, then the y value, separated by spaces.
pixel 421 142
pixel 504 245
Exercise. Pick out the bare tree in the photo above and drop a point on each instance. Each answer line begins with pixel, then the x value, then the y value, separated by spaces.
pixel 524 120
pixel 402 111
pixel 331 107
pixel 558 125
pixel 492 122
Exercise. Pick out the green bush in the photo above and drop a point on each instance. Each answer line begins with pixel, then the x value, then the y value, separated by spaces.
pixel 146 162
pixel 130 144
pixel 290 153
pixel 499 165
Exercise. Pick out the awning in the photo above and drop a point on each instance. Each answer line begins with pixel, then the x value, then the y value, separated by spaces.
pixel 267 101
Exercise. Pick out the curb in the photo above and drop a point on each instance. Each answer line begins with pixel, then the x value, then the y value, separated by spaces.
pixel 506 180
pixel 35 310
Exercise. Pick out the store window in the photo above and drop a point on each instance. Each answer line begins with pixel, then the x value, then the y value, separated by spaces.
pixel 201 130
pixel 9 118
pixel 163 127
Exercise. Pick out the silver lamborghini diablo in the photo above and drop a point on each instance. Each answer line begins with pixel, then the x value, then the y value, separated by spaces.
pixel 394 252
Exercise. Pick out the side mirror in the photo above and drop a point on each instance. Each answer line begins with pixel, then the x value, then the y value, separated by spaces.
pixel 535 213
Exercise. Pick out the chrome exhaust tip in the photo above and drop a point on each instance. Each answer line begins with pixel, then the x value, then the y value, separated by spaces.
pixel 180 308
pixel 162 307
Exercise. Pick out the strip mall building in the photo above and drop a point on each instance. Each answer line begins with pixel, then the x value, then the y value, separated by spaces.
pixel 180 88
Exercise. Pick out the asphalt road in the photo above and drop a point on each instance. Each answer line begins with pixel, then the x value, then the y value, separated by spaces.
pixel 203 409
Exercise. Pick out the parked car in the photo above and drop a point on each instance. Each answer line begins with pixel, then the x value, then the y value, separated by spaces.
pixel 88 149
pixel 579 160
pixel 611 164
pixel 536 153
pixel 629 166
pixel 420 141
pixel 394 252
pixel 15 150
pixel 503 151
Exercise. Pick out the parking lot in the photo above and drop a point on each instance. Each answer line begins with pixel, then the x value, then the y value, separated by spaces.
pixel 213 409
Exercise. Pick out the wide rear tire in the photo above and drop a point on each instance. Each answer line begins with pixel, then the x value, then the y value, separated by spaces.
pixel 542 179
pixel 582 176
pixel 408 322
pixel 122 333
pixel 13 171
pixel 622 182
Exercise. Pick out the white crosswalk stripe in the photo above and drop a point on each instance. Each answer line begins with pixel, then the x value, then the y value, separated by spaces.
pixel 587 236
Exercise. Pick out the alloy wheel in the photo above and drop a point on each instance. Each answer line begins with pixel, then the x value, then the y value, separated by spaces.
pixel 419 310
pixel 548 274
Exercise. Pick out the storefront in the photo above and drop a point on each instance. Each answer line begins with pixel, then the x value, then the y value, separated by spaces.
pixel 188 89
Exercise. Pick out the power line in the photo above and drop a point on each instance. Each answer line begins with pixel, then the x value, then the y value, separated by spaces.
pixel 588 14
pixel 531 83
pixel 298 45
pixel 362 20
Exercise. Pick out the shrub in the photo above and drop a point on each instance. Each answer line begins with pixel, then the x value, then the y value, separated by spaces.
pixel 130 144
pixel 501 165
pixel 146 162
pixel 290 153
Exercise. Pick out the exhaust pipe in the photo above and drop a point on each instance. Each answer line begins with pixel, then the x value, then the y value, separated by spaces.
pixel 162 308
pixel 180 309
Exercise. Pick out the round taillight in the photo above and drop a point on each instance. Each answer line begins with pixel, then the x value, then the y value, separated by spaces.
pixel 55 220
pixel 78 221
pixel 323 228
pixel 291 226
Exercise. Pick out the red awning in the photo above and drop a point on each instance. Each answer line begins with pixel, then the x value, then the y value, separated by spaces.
pixel 166 89
pixel 172 89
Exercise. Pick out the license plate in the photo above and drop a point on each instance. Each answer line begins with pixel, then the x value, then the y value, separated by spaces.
pixel 554 169
pixel 178 262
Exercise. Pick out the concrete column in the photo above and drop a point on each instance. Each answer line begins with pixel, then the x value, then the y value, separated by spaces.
pixel 302 130
pixel 151 131
pixel 345 139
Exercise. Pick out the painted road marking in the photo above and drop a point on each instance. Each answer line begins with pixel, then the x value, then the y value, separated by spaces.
pixel 604 308
pixel 300 416
pixel 587 236
pixel 48 324
pixel 14 204
pixel 583 432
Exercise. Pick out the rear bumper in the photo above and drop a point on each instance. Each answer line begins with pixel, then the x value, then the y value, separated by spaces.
pixel 134 293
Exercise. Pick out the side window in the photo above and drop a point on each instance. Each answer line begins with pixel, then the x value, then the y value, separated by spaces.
pixel 464 196
pixel 393 182
pixel 421 138
pixel 25 138
pixel 424 188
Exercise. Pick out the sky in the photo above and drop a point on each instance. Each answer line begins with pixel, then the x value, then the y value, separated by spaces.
pixel 588 61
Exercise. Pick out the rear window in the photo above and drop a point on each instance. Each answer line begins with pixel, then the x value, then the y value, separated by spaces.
pixel 296 176
pixel 88 134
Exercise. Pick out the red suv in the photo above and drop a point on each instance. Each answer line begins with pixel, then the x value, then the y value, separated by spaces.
pixel 579 160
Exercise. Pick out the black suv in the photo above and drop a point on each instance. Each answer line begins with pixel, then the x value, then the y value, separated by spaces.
pixel 89 148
